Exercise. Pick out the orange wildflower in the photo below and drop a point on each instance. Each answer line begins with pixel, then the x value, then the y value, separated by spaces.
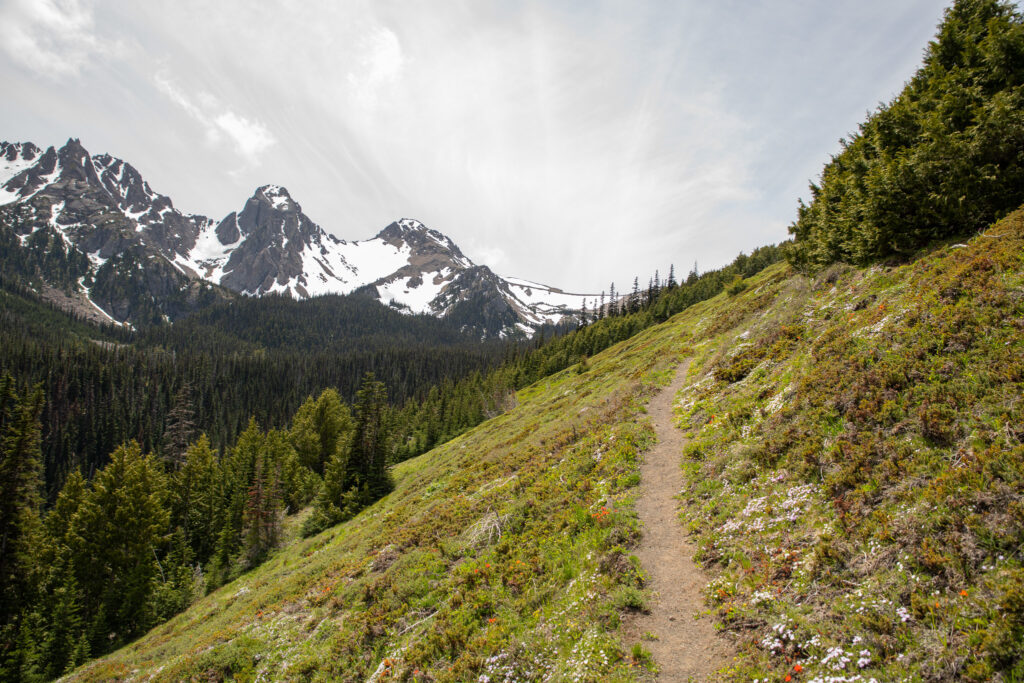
pixel 963 593
pixel 797 668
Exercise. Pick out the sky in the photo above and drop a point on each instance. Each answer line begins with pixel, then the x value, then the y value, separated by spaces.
pixel 569 143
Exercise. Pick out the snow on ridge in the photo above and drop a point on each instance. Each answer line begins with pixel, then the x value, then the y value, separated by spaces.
pixel 416 297
pixel 278 196
pixel 9 169
pixel 9 196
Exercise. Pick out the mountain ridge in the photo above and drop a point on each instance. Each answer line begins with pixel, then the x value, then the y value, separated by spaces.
pixel 102 206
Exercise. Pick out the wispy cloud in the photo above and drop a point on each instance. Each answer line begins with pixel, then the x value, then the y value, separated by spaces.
pixel 248 137
pixel 377 64
pixel 54 38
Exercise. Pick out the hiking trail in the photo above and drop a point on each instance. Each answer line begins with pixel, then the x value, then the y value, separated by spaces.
pixel 686 649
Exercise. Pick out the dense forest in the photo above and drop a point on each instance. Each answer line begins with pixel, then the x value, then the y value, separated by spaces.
pixel 104 387
pixel 146 536
pixel 945 158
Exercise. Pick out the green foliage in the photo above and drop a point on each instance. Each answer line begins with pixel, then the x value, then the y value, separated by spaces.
pixel 864 480
pixel 943 159
pixel 113 539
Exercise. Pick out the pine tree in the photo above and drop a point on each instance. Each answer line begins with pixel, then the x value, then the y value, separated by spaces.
pixel 672 284
pixel 317 427
pixel 197 498
pixel 238 472
pixel 338 499
pixel 20 531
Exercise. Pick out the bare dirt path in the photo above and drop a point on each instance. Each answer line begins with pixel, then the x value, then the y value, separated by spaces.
pixel 686 649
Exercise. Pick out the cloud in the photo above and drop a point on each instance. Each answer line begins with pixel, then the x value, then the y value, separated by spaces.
pixel 54 38
pixel 378 62
pixel 568 143
pixel 249 138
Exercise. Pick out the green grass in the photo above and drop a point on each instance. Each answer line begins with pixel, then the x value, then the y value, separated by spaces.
pixel 855 464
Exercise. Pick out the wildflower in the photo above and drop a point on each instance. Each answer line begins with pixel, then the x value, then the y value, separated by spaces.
pixel 492 620
pixel 797 668
pixel 963 593
pixel 788 678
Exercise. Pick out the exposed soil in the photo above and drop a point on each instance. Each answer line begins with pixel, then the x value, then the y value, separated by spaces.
pixel 687 648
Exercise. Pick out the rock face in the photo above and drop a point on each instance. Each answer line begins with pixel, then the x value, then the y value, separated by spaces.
pixel 147 260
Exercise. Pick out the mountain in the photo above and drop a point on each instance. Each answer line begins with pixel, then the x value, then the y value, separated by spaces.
pixel 90 233
pixel 146 260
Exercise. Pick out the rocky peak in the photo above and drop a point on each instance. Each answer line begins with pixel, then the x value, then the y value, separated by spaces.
pixel 421 240
pixel 76 163
pixel 14 151
pixel 278 198
pixel 26 176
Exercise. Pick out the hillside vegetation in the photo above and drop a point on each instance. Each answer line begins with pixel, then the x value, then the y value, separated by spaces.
pixel 944 158
pixel 857 467
pixel 855 476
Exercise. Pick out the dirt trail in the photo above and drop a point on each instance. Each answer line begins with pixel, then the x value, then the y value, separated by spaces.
pixel 687 649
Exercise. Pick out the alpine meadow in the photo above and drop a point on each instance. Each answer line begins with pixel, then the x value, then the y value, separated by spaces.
pixel 246 449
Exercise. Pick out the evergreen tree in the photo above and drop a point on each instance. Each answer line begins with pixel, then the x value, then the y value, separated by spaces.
pixel 338 499
pixel 20 530
pixel 368 464
pixel 115 537
pixel 181 428
pixel 20 500
pixel 263 512
pixel 238 473
pixel 317 427
pixel 196 500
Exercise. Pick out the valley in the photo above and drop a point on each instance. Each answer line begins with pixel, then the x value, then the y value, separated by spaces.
pixel 246 449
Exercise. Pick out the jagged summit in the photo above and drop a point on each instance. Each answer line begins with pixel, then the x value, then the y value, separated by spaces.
pixel 278 197
pixel 102 206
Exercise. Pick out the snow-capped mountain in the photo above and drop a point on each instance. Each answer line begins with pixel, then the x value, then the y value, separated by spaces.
pixel 101 207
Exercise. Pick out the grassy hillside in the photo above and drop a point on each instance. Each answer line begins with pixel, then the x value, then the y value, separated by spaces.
pixel 504 550
pixel 856 478
pixel 856 468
